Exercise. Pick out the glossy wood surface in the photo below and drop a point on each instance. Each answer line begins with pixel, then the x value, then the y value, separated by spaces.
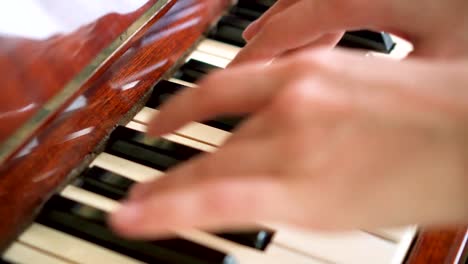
pixel 442 246
pixel 29 176
pixel 34 70
pixel 37 63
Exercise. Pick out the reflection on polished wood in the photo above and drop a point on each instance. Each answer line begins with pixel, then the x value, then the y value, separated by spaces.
pixel 29 176
pixel 34 71
pixel 440 246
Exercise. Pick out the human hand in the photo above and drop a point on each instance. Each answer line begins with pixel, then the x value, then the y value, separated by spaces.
pixel 327 146
pixel 436 28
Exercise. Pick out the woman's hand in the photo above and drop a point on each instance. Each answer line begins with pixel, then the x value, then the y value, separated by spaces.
pixel 437 28
pixel 334 140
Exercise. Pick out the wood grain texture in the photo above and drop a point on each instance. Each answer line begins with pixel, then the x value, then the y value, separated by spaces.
pixel 444 246
pixel 33 70
pixel 52 153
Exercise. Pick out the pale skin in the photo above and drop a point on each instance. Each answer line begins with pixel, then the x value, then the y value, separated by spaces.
pixel 335 140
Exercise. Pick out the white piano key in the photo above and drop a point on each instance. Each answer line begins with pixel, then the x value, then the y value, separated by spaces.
pixel 68 247
pixel 193 130
pixel 404 245
pixel 313 247
pixel 24 254
pixel 128 169
pixel 275 250
pixel 348 247
pixel 209 58
pixel 136 171
pixel 392 234
pixel 218 48
pixel 85 197
pixel 182 82
pixel 242 254
pixel 174 138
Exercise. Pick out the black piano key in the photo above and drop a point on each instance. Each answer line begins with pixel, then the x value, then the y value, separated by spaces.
pixel 235 21
pixel 228 34
pixel 107 177
pixel 165 89
pixel 230 29
pixel 227 123
pixel 104 182
pixel 199 66
pixel 245 13
pixel 188 75
pixel 97 183
pixel 140 153
pixel 257 5
pixel 89 223
pixel 159 145
pixel 157 153
pixel 255 239
pixel 369 40
pixel 194 70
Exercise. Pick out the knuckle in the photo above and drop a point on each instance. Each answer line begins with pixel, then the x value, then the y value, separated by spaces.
pixel 315 63
pixel 294 99
pixel 317 85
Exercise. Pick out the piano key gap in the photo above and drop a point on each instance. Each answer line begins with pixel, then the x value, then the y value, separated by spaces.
pixel 45 252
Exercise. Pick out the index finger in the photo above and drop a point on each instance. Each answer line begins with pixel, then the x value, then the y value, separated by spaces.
pixel 238 90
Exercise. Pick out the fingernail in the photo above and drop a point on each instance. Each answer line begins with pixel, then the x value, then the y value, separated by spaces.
pixel 251 30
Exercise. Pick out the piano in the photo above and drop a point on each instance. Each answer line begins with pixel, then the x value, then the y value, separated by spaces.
pixel 82 78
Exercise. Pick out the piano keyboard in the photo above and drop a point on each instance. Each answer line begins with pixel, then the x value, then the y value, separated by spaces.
pixel 72 229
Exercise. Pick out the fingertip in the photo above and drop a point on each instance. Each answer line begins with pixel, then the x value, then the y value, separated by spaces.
pixel 126 219
pixel 251 30
pixel 158 127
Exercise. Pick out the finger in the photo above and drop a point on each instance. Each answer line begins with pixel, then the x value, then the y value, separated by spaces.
pixel 237 91
pixel 255 26
pixel 258 126
pixel 327 41
pixel 254 128
pixel 305 22
pixel 245 158
pixel 216 204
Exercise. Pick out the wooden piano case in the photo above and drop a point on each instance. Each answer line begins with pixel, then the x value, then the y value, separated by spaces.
pixel 62 95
